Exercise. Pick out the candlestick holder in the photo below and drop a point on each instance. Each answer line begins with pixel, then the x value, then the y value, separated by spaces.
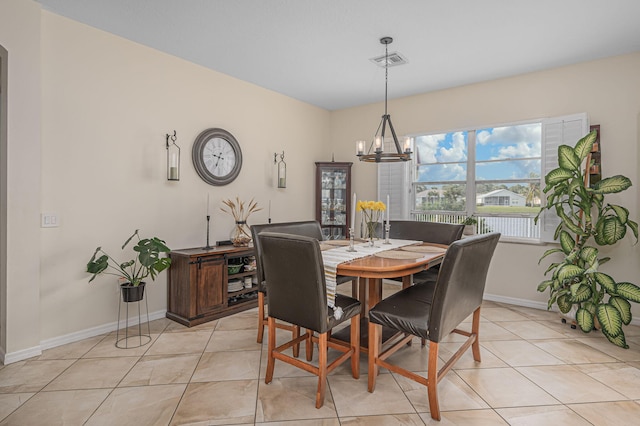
pixel 351 240
pixel 208 247
pixel 387 228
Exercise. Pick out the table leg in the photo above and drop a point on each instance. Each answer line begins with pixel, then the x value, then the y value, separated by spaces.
pixel 407 281
pixel 362 296
pixel 375 292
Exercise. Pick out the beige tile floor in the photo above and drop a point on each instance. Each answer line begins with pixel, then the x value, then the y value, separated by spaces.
pixel 535 371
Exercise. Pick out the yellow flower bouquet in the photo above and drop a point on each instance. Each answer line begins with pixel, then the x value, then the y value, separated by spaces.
pixel 371 212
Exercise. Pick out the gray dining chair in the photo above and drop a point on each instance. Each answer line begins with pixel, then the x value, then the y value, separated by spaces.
pixel 294 271
pixel 310 228
pixel 432 312
pixel 432 232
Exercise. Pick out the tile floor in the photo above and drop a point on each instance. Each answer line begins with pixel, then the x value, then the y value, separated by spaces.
pixel 535 371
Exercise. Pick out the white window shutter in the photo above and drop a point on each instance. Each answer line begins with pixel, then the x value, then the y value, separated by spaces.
pixel 557 131
pixel 394 180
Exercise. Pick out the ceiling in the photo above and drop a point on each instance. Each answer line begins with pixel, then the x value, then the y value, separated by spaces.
pixel 319 51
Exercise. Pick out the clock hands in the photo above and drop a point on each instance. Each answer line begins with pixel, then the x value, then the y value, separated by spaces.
pixel 219 157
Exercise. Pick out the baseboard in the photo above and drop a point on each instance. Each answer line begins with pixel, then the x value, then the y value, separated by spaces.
pixel 515 301
pixel 534 305
pixel 11 357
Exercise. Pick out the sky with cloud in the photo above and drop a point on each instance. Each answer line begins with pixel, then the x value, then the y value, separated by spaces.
pixel 517 148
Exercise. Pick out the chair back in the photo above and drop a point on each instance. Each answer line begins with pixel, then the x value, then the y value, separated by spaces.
pixel 460 285
pixel 309 228
pixel 432 232
pixel 294 269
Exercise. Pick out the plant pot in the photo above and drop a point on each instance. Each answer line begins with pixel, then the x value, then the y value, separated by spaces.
pixel 132 293
pixel 469 230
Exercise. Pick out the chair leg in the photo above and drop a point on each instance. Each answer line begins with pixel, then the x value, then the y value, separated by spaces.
pixel 375 331
pixel 354 288
pixel 261 317
pixel 322 369
pixel 295 333
pixel 475 329
pixel 271 346
pixel 432 381
pixel 309 345
pixel 355 345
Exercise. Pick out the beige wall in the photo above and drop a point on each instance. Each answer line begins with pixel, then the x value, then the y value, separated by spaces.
pixel 20 280
pixel 107 104
pixel 608 90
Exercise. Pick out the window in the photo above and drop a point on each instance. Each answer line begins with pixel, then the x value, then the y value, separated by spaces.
pixel 494 173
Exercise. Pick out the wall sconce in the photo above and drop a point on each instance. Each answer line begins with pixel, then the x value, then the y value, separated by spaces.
pixel 282 170
pixel 173 158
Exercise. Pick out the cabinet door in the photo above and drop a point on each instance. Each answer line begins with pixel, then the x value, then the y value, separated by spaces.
pixel 211 285
pixel 333 198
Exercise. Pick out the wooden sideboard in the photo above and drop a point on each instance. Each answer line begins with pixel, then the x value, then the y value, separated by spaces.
pixel 198 284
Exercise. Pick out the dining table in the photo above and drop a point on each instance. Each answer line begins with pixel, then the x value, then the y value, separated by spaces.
pixel 371 270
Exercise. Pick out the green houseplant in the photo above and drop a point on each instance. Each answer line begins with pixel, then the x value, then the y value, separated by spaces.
pixel 469 223
pixel 586 222
pixel 146 263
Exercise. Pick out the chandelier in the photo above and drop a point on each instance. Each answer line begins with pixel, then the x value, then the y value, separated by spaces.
pixel 378 155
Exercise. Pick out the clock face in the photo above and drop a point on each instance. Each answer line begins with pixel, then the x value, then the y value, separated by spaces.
pixel 217 156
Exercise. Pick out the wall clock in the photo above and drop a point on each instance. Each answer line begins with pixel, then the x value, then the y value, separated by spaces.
pixel 217 156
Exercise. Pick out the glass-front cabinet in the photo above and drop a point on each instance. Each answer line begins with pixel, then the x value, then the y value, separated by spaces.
pixel 333 198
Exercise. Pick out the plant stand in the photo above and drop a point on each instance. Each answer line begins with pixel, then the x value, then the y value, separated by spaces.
pixel 138 339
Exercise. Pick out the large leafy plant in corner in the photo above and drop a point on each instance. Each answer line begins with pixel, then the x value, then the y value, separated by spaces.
pixel 587 222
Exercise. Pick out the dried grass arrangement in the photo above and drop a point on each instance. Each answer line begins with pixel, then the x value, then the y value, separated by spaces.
pixel 240 211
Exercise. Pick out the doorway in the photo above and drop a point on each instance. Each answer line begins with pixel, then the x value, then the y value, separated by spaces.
pixel 3 197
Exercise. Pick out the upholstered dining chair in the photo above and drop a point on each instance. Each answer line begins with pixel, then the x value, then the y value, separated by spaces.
pixel 309 228
pixel 297 294
pixel 432 312
pixel 432 232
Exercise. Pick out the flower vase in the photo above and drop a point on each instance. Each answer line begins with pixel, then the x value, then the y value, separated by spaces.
pixel 371 232
pixel 240 234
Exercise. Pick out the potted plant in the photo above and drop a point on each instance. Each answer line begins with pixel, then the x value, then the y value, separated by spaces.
pixel 469 223
pixel 586 222
pixel 147 263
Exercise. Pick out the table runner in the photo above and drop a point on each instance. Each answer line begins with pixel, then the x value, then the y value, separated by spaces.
pixel 332 258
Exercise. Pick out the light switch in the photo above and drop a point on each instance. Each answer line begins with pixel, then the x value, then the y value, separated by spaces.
pixel 49 220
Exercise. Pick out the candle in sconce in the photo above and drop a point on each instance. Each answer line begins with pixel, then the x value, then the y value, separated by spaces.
pixel 173 173
pixel 173 167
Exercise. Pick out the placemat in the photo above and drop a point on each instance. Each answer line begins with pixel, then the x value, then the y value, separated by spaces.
pixel 424 249
pixel 397 254
pixel 324 247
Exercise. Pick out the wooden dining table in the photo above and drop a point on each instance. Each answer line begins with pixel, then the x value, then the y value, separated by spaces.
pixel 371 270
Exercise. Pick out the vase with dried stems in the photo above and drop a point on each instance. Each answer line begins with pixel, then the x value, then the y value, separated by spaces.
pixel 240 234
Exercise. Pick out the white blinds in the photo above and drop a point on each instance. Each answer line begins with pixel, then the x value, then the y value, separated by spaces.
pixel 566 130
pixel 394 180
